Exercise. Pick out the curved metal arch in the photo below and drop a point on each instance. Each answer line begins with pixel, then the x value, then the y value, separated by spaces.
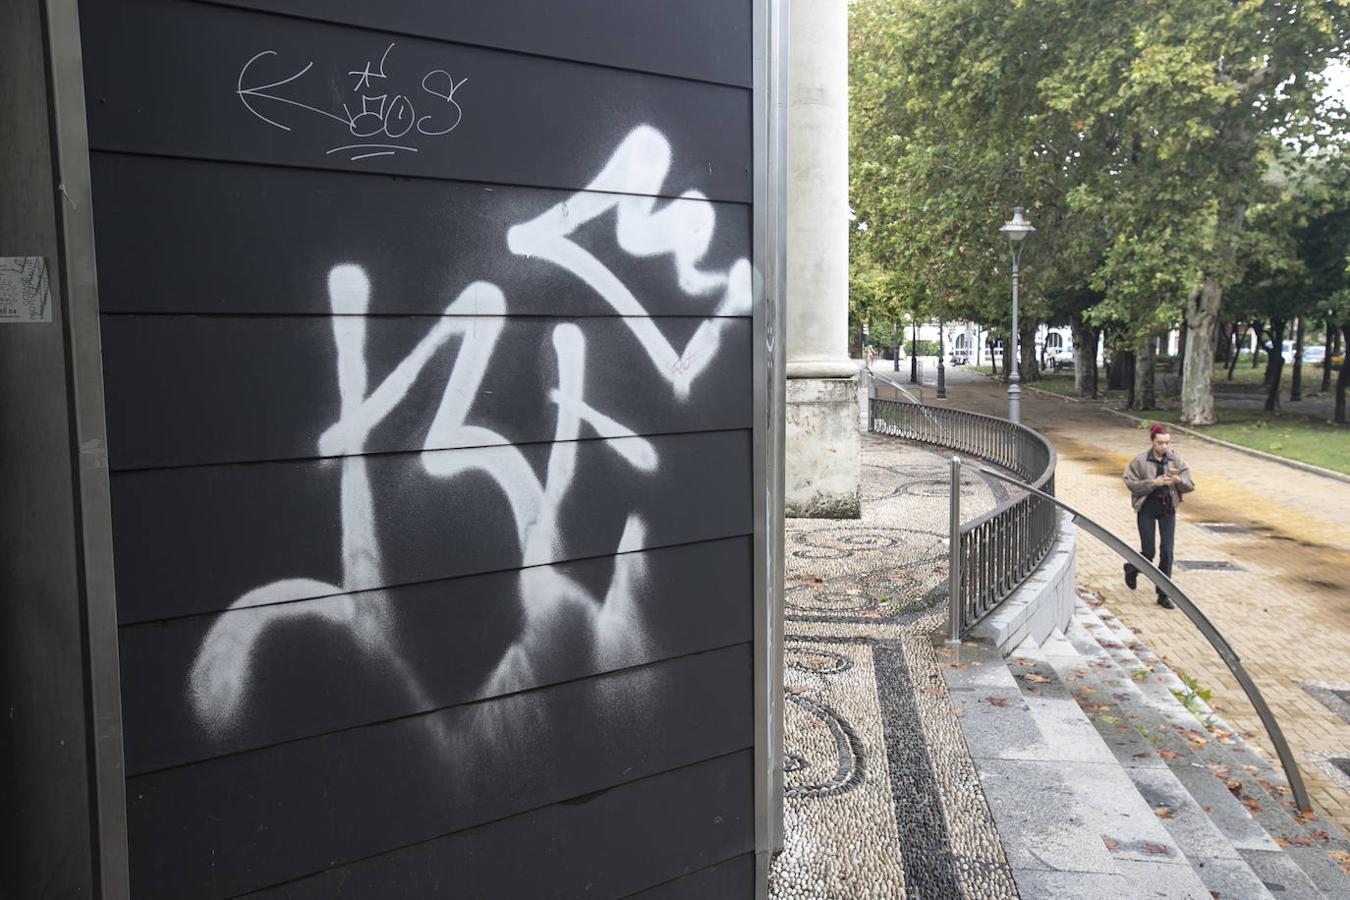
pixel 1193 612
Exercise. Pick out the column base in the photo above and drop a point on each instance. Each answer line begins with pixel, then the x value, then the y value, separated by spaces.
pixel 823 466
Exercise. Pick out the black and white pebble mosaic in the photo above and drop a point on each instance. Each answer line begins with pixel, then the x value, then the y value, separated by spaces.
pixel 882 797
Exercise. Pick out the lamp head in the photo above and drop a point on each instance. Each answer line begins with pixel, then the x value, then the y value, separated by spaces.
pixel 1017 230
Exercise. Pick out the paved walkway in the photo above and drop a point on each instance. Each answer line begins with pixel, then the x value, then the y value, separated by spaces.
pixel 1285 606
pixel 883 799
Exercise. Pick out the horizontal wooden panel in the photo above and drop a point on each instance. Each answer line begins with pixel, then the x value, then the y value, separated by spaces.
pixel 277 89
pixel 608 846
pixel 255 819
pixel 198 540
pixel 730 880
pixel 189 390
pixel 705 39
pixel 179 235
pixel 204 686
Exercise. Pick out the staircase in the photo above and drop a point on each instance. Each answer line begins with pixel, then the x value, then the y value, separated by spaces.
pixel 1103 784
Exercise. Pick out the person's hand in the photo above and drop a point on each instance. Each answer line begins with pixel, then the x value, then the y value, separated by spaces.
pixel 1164 480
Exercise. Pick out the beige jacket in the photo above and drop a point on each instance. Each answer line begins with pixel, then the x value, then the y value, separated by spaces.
pixel 1141 471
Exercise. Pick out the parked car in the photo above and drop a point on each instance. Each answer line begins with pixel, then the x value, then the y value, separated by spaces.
pixel 959 358
pixel 1061 358
pixel 1313 356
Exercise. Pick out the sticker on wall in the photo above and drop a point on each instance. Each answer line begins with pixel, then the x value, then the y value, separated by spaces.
pixel 24 293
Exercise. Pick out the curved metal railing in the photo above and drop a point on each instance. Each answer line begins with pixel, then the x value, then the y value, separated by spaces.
pixel 1187 606
pixel 992 554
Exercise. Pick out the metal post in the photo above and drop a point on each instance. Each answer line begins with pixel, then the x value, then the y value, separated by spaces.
pixel 1014 373
pixel 914 352
pixel 954 558
pixel 942 371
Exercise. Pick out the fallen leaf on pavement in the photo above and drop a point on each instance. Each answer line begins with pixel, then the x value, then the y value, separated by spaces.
pixel 1163 812
pixel 1110 844
pixel 1251 803
pixel 1233 785
pixel 998 701
pixel 958 665
pixel 1036 679
pixel 1155 849
pixel 1342 858
pixel 959 711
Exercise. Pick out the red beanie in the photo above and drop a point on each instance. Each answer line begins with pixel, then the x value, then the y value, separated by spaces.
pixel 1156 429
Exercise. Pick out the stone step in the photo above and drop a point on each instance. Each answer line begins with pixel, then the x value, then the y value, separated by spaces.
pixel 1229 749
pixel 1057 669
pixel 1071 820
pixel 1215 764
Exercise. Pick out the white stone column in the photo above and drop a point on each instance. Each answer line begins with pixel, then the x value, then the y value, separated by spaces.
pixel 822 453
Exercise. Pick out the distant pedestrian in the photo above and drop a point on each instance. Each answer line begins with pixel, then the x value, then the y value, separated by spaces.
pixel 1157 478
pixel 871 355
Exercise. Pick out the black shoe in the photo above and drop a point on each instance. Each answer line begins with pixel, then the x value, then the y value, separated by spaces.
pixel 1165 603
pixel 1131 578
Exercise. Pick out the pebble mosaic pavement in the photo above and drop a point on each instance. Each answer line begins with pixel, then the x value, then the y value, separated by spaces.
pixel 882 797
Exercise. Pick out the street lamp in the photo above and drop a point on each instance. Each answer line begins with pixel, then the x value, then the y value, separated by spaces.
pixel 942 352
pixel 1016 231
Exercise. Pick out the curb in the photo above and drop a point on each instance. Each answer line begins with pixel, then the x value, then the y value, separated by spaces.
pixel 1045 393
pixel 1259 454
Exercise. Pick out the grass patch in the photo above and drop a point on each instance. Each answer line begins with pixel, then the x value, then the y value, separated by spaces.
pixel 1061 383
pixel 1248 377
pixel 1291 435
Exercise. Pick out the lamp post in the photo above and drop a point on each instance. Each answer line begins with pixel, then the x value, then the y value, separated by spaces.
pixel 914 350
pixel 1016 231
pixel 942 352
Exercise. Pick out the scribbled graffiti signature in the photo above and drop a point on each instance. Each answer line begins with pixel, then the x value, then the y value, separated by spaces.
pixel 384 123
pixel 219 682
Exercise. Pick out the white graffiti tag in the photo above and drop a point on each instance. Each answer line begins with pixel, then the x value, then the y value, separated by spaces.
pixel 219 682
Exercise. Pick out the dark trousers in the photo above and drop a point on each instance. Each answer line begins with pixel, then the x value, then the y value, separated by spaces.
pixel 1152 517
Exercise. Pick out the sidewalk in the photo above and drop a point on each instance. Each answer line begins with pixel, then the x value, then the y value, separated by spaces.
pixel 883 799
pixel 1282 600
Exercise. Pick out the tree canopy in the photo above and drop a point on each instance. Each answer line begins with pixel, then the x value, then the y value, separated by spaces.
pixel 1139 134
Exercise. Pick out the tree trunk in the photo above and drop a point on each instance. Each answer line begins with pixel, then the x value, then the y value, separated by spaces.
pixel 1084 357
pixel 1239 338
pixel 1026 348
pixel 1181 352
pixel 1274 365
pixel 1296 376
pixel 895 346
pixel 1096 381
pixel 1224 343
pixel 1343 379
pixel 1127 368
pixel 1197 390
pixel 1332 337
pixel 1145 372
pixel 1256 346
pixel 1119 374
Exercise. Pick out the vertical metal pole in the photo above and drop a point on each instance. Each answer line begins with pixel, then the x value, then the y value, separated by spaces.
pixel 1014 369
pixel 954 558
pixel 942 371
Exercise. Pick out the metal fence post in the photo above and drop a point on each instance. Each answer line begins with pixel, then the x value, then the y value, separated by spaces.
pixel 954 558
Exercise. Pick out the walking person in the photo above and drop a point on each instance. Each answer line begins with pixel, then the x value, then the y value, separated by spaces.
pixel 1157 479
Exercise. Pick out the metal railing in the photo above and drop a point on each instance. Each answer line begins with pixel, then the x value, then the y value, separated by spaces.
pixel 1183 603
pixel 994 553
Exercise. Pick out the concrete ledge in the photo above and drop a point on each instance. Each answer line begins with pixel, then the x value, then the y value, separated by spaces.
pixel 1042 605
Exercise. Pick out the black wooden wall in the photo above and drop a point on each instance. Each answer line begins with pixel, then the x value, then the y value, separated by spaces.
pixel 427 347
